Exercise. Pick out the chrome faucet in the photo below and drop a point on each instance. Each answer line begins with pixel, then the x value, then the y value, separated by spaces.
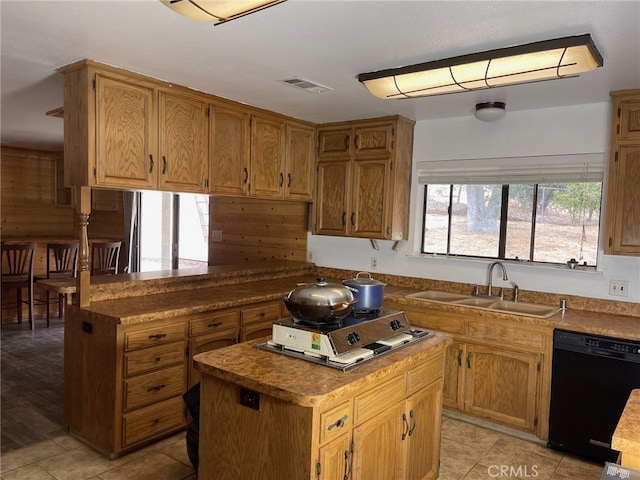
pixel 490 282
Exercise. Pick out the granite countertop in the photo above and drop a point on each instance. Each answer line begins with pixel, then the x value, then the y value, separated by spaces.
pixel 607 324
pixel 626 437
pixel 304 383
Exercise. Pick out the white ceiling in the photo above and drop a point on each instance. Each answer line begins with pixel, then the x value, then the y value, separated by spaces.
pixel 330 42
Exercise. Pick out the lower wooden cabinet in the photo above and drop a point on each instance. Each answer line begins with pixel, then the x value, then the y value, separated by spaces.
pixel 497 370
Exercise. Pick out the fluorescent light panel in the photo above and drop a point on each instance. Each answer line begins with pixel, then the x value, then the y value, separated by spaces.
pixel 219 11
pixel 533 62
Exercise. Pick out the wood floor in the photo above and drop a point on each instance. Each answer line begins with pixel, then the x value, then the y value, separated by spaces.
pixel 32 383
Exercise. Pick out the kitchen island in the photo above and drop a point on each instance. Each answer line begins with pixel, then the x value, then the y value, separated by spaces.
pixel 265 416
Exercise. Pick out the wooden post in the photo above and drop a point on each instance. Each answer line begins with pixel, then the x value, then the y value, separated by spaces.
pixel 83 209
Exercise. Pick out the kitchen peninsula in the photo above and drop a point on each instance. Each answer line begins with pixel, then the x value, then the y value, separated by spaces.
pixel 268 416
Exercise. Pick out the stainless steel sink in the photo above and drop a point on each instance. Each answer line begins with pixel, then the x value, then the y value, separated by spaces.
pixel 485 303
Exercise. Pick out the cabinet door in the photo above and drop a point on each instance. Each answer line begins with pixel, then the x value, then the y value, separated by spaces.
pixel 330 207
pixel 368 217
pixel 256 330
pixel 624 198
pixel 206 343
pixel 378 445
pixel 300 162
pixel 454 376
pixel 334 460
pixel 267 157
pixel 373 140
pixel 422 461
pixel 501 385
pixel 629 114
pixel 184 143
pixel 334 143
pixel 229 171
pixel 125 135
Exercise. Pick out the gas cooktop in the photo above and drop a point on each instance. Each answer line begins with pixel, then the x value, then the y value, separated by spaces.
pixel 347 343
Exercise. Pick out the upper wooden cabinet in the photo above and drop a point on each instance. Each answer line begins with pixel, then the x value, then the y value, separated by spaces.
pixel 123 132
pixel 364 176
pixel 300 161
pixel 267 156
pixel 623 192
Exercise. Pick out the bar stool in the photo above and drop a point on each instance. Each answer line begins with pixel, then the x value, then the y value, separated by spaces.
pixel 62 262
pixel 104 257
pixel 17 273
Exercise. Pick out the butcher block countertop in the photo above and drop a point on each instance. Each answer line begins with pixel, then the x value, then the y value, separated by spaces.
pixel 305 383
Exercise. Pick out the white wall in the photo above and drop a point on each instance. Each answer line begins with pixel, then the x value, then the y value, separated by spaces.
pixel 567 130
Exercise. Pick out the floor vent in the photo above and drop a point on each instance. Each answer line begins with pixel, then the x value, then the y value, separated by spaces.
pixel 307 85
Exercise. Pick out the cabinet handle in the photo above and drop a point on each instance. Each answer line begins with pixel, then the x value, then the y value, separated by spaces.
pixel 356 142
pixel 344 218
pixel 164 164
pixel 469 356
pixel 346 142
pixel 338 423
pixel 353 218
pixel 281 179
pixel 347 465
pixel 413 422
pixel 246 174
pixel 460 357
pixel 157 359
pixel 288 180
pixel 157 336
pixel 150 163
pixel 157 388
pixel 214 324
pixel 405 426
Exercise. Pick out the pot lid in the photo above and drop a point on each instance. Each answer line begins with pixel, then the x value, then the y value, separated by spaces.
pixel 363 281
pixel 321 293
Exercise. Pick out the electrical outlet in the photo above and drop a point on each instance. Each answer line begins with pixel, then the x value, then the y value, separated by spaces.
pixel 374 263
pixel 618 288
pixel 310 256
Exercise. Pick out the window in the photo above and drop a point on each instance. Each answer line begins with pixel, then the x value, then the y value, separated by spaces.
pixel 173 231
pixel 548 221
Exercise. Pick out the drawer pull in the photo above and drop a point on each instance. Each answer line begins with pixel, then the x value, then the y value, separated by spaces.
pixel 156 421
pixel 157 388
pixel 338 423
pixel 214 324
pixel 158 359
pixel 157 336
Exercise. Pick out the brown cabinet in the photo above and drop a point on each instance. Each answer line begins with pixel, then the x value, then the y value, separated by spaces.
pixel 494 369
pixel 300 162
pixel 383 425
pixel 267 156
pixel 257 320
pixel 363 180
pixel 623 191
pixel 124 132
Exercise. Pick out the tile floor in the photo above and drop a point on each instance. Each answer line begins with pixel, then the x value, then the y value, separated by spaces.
pixel 35 446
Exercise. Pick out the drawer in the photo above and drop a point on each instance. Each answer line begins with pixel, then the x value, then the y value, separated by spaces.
pixel 154 387
pixel 424 374
pixel 265 311
pixel 153 336
pixel 256 330
pixel 152 421
pixel 378 399
pixel 335 422
pixel 431 320
pixel 508 333
pixel 152 358
pixel 210 322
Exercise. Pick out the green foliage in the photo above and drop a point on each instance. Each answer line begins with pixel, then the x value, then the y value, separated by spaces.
pixel 580 199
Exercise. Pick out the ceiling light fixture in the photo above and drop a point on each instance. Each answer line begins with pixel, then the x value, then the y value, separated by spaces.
pixel 533 62
pixel 219 11
pixel 490 111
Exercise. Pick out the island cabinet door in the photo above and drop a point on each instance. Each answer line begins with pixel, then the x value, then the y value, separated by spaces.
pixel 378 446
pixel 422 442
pixel 334 460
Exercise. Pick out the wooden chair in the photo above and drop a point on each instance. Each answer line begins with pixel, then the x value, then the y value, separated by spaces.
pixel 62 262
pixel 105 257
pixel 17 273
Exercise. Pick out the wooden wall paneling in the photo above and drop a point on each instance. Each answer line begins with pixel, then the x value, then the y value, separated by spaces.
pixel 255 229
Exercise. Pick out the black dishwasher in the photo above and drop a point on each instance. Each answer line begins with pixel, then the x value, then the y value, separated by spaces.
pixel 592 377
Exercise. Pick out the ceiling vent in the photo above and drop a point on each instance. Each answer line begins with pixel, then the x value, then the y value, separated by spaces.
pixel 307 85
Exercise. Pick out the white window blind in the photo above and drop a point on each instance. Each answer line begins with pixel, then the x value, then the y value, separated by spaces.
pixel 583 167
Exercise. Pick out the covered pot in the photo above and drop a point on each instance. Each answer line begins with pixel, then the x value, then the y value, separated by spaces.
pixel 320 302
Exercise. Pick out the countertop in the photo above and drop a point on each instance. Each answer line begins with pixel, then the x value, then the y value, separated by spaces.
pixel 304 383
pixel 626 437
pixel 607 324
